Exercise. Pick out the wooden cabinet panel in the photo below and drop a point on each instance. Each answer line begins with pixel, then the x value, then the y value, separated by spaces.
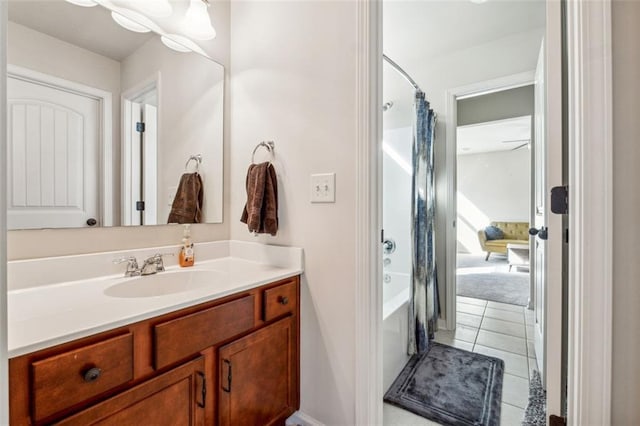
pixel 185 336
pixel 71 377
pixel 257 377
pixel 174 398
pixel 280 300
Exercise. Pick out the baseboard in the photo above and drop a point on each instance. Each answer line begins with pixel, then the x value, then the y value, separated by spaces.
pixel 301 419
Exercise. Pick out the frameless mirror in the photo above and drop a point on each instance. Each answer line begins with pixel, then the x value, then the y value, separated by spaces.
pixel 103 121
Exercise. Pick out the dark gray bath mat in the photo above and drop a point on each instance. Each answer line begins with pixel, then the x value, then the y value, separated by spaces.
pixel 536 412
pixel 450 386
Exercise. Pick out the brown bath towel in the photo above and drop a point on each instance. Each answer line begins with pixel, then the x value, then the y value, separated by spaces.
pixel 187 204
pixel 261 211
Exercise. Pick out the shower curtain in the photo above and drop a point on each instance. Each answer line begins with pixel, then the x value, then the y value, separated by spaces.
pixel 424 305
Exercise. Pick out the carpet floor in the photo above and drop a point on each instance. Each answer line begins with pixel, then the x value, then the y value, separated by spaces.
pixel 491 280
pixel 450 386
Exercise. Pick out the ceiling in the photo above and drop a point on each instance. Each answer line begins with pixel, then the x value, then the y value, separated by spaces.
pixel 415 29
pixel 493 136
pixel 88 27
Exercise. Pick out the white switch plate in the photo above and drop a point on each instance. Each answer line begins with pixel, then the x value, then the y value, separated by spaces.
pixel 323 188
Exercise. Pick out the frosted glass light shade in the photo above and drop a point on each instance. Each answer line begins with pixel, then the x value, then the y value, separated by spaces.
pixel 196 23
pixel 181 43
pixel 155 8
pixel 83 3
pixel 130 21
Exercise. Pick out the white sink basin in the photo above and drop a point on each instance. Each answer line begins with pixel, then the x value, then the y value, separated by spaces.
pixel 162 284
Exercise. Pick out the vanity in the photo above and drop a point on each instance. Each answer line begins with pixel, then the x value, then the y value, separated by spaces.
pixel 219 347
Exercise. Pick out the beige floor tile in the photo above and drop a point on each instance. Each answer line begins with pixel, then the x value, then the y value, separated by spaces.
pixel 504 327
pixel 503 342
pixel 530 332
pixel 511 415
pixel 531 350
pixel 532 366
pixel 515 391
pixel 471 301
pixel 394 416
pixel 513 363
pixel 505 307
pixel 468 319
pixel 462 332
pixel 460 344
pixel 504 315
pixel 470 309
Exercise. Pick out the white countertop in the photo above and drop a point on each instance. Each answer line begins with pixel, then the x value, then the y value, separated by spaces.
pixel 47 314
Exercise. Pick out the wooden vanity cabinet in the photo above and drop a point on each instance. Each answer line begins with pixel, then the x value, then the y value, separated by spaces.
pixel 232 361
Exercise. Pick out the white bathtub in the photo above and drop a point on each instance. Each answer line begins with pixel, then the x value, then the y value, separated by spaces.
pixel 395 326
pixel 395 293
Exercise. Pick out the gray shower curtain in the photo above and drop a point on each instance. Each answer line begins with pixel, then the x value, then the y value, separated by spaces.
pixel 424 305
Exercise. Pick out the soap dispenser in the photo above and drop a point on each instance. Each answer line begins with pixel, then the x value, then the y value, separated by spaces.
pixel 186 257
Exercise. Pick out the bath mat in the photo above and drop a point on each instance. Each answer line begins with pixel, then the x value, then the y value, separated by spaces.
pixel 450 386
pixel 536 412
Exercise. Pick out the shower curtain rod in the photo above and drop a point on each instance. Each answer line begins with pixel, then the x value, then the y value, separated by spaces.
pixel 402 72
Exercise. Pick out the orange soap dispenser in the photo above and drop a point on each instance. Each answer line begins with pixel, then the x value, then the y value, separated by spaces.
pixel 186 257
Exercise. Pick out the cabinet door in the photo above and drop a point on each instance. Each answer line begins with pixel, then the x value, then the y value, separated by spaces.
pixel 258 377
pixel 174 398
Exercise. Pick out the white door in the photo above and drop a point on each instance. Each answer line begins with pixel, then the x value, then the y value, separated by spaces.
pixel 53 138
pixel 547 269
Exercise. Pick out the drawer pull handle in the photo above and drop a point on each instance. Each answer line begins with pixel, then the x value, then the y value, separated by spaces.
pixel 203 390
pixel 229 374
pixel 92 374
pixel 284 300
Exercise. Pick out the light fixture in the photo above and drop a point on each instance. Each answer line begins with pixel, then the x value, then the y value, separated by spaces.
pixel 155 8
pixel 83 3
pixel 197 23
pixel 130 20
pixel 181 44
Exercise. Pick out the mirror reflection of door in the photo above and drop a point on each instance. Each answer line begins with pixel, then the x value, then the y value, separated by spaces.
pixel 140 146
pixel 53 147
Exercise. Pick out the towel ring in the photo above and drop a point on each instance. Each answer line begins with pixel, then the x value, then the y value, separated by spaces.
pixel 197 158
pixel 269 145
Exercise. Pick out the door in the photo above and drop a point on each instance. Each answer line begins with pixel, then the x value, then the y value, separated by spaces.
pixel 53 139
pixel 547 243
pixel 257 377
pixel 175 398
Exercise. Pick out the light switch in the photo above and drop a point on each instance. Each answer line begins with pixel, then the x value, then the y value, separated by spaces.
pixel 323 188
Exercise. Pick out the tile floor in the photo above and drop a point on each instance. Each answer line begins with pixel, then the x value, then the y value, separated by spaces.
pixel 495 329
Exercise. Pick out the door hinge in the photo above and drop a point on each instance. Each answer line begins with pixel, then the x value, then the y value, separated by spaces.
pixel 140 206
pixel 557 420
pixel 382 235
pixel 560 199
pixel 140 127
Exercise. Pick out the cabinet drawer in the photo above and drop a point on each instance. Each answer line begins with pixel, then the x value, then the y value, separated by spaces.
pixel 185 336
pixel 71 377
pixel 280 300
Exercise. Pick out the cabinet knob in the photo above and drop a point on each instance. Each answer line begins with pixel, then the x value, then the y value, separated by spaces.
pixel 283 300
pixel 92 374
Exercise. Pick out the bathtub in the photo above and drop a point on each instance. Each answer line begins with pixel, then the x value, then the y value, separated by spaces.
pixel 395 292
pixel 395 324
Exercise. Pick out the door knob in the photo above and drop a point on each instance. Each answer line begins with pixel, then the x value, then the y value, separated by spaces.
pixel 92 222
pixel 541 233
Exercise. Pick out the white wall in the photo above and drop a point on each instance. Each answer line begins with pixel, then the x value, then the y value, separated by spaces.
pixel 626 203
pixel 492 186
pixel 293 81
pixel 396 196
pixel 57 242
pixel 191 95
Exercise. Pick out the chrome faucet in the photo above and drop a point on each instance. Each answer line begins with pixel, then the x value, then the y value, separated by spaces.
pixel 132 266
pixel 154 264
pixel 150 266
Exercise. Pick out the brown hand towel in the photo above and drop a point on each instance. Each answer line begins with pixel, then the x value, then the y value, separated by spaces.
pixel 261 210
pixel 187 203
